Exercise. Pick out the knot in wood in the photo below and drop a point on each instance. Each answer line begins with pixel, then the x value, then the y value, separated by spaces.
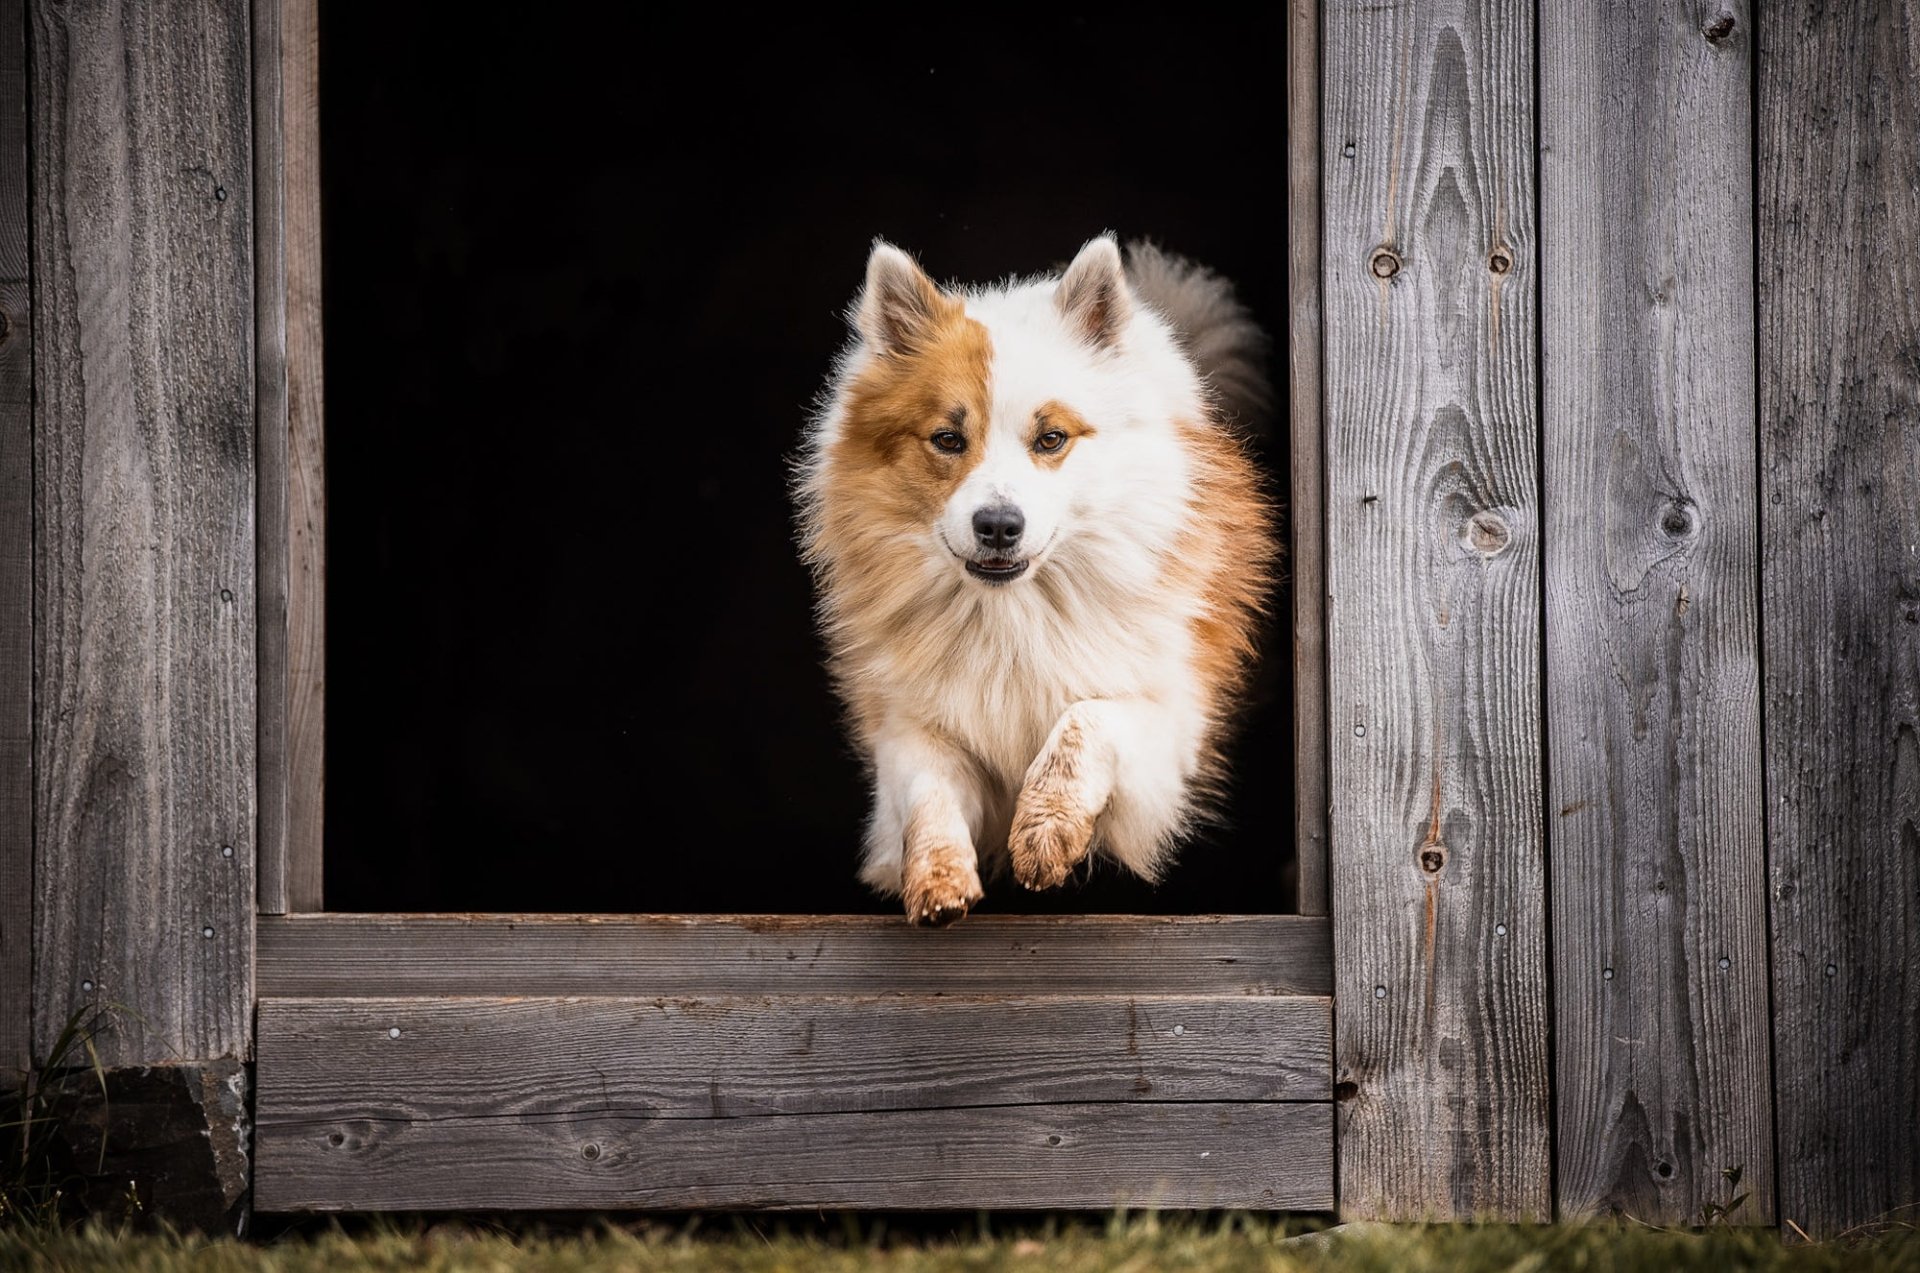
pixel 590 1151
pixel 1432 858
pixel 1718 29
pixel 1677 519
pixel 6 326
pixel 1500 261
pixel 1385 262
pixel 1487 533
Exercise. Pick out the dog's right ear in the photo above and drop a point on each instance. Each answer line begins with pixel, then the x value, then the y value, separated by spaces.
pixel 900 305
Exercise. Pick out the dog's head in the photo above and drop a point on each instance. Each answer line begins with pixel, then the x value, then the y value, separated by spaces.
pixel 992 430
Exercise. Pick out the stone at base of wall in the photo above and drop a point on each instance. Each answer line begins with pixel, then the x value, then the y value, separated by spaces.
pixel 163 1142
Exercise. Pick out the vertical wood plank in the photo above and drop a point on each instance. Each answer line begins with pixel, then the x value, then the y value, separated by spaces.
pixel 305 525
pixel 16 555
pixel 1307 510
pixel 144 560
pixel 270 450
pixel 1839 143
pixel 1659 921
pixel 1434 610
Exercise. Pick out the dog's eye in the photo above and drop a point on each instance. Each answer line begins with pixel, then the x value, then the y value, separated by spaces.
pixel 1051 440
pixel 949 441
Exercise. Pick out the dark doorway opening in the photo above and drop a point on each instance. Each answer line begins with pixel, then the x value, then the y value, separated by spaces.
pixel 582 281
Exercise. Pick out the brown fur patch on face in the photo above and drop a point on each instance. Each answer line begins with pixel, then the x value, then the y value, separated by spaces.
pixel 1063 418
pixel 901 400
pixel 883 486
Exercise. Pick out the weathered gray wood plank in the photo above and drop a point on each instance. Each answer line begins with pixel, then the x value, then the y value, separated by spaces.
pixel 16 556
pixel 306 492
pixel 1270 1156
pixel 741 1056
pixel 143 439
pixel 1839 143
pixel 270 451
pixel 398 955
pixel 1659 921
pixel 1434 609
pixel 1306 511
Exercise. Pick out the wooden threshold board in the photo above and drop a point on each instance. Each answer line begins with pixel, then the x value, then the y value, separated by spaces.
pixel 897 1101
pixel 451 1062
pixel 371 956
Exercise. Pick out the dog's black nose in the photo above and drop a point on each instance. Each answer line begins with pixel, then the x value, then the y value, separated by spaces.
pixel 998 527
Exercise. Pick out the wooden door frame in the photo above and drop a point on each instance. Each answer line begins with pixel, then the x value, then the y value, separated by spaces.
pixel 292 482
pixel 1230 1105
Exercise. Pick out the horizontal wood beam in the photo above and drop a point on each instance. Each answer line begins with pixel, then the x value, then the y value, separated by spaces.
pixel 322 1060
pixel 318 956
pixel 1269 1156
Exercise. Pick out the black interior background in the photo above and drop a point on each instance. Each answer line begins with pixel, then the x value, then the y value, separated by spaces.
pixel 585 268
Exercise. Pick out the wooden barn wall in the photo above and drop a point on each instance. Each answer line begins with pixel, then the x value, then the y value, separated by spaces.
pixel 1839 214
pixel 1727 500
pixel 1433 579
pixel 1657 836
pixel 1622 583
pixel 144 524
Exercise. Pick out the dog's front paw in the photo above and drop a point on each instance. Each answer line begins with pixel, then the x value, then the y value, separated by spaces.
pixel 940 886
pixel 1049 838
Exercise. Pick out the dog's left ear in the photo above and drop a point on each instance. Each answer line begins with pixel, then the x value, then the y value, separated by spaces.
pixel 1093 295
pixel 900 306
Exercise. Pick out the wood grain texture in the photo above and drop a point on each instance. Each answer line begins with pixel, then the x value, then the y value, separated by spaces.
pixel 1659 919
pixel 400 955
pixel 1434 609
pixel 1270 1156
pixel 144 555
pixel 1306 511
pixel 305 454
pixel 741 1056
pixel 270 452
pixel 16 557
pixel 1839 142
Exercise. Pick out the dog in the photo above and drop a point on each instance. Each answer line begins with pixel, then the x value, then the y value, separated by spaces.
pixel 1041 555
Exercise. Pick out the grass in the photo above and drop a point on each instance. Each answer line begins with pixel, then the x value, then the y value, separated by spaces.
pixel 1137 1245
pixel 36 1102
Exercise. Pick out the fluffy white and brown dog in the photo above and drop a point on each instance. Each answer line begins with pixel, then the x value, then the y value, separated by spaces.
pixel 1041 555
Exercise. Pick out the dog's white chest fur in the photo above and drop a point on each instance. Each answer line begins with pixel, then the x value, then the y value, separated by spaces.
pixel 1017 662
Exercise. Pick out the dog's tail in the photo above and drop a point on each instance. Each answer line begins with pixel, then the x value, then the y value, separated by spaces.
pixel 1227 347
